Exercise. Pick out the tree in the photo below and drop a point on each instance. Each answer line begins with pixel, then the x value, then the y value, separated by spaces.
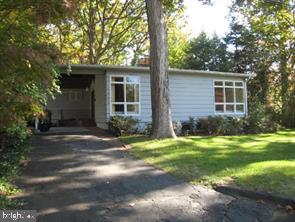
pixel 250 56
pixel 177 39
pixel 28 73
pixel 273 24
pixel 100 31
pixel 205 53
pixel 161 112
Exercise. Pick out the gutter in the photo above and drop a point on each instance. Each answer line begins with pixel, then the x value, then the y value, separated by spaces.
pixel 146 70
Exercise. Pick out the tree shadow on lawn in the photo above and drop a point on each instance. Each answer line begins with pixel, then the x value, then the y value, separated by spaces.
pixel 246 161
pixel 75 178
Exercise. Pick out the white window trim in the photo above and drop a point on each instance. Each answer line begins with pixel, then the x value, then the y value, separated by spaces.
pixel 124 103
pixel 233 103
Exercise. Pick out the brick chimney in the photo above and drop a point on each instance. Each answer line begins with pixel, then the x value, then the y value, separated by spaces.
pixel 143 62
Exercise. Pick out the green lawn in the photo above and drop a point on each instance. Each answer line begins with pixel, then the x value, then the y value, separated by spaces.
pixel 264 162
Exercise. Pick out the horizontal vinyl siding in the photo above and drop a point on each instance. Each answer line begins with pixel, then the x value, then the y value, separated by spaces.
pixel 62 107
pixel 100 99
pixel 190 95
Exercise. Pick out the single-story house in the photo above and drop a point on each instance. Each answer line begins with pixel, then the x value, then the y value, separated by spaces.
pixel 97 92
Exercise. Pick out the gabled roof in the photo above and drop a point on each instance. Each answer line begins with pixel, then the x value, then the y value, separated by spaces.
pixel 93 69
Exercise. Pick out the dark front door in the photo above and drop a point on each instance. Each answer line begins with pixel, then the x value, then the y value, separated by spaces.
pixel 92 105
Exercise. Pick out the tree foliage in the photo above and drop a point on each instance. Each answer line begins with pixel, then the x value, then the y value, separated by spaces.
pixel 28 73
pixel 271 38
pixel 100 31
pixel 205 53
pixel 249 56
pixel 177 39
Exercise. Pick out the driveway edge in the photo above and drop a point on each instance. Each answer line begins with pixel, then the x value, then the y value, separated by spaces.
pixel 256 195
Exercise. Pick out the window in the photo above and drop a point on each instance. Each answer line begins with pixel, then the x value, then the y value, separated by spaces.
pixel 125 95
pixel 229 97
pixel 73 95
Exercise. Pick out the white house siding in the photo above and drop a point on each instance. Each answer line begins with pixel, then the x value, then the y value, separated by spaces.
pixel 191 95
pixel 100 100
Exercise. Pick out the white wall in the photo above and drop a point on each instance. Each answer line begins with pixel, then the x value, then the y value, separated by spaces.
pixel 191 95
pixel 62 106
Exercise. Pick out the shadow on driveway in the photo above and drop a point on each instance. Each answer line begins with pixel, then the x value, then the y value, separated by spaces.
pixel 80 177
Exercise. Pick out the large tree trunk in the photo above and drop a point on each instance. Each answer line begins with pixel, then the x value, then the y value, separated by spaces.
pixel 263 82
pixel 161 113
pixel 284 86
pixel 91 32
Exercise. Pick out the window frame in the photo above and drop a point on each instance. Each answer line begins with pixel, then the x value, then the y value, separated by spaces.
pixel 125 103
pixel 73 95
pixel 234 103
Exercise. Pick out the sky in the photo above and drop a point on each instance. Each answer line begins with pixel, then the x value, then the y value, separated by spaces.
pixel 207 18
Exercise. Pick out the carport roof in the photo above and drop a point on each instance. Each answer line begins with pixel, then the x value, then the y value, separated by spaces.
pixel 101 69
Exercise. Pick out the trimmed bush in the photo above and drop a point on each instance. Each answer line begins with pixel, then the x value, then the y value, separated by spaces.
pixel 121 125
pixel 233 126
pixel 213 125
pixel 258 121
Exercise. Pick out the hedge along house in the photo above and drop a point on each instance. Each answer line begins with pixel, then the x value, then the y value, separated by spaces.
pixel 97 92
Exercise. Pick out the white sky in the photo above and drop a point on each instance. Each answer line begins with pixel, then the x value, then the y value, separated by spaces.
pixel 207 18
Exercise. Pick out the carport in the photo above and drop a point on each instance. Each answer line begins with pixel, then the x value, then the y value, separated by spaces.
pixel 75 105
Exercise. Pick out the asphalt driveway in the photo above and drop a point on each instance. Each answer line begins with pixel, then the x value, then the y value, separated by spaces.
pixel 79 177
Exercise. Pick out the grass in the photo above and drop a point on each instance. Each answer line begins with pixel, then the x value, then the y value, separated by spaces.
pixel 264 162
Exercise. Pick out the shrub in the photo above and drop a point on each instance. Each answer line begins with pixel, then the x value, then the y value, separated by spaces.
pixel 177 127
pixel 192 125
pixel 148 129
pixel 233 125
pixel 259 119
pixel 213 125
pixel 121 125
pixel 14 146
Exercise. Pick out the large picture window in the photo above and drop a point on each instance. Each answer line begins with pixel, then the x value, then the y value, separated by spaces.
pixel 125 95
pixel 229 97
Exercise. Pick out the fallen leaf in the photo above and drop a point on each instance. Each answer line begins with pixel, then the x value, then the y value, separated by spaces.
pixel 289 208
pixel 131 204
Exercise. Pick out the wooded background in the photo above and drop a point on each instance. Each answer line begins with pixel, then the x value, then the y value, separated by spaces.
pixel 36 36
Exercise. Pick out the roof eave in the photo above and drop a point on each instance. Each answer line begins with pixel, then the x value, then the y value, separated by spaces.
pixel 146 69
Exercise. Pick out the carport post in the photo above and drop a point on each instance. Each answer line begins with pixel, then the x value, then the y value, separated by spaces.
pixel 36 123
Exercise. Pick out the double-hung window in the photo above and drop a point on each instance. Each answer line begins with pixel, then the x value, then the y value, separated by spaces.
pixel 229 97
pixel 125 94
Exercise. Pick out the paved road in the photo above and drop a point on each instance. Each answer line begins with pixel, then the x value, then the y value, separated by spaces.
pixel 78 177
